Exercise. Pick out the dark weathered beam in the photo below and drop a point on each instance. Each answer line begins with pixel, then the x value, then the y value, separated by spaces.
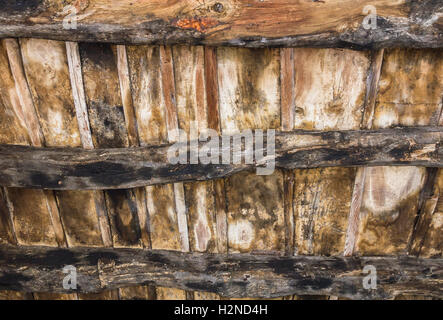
pixel 40 269
pixel 250 23
pixel 65 168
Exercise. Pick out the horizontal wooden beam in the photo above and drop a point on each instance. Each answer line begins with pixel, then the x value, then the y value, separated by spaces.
pixel 40 269
pixel 70 169
pixel 249 23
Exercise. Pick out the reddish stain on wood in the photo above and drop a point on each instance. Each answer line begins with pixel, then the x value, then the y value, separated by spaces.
pixel 200 24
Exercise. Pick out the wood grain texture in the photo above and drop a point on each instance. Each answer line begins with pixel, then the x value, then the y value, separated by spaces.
pixel 41 223
pixel 287 113
pixel 23 92
pixel 410 91
pixel 46 67
pixel 111 115
pixel 249 92
pixel 12 122
pixel 228 22
pixel 91 230
pixel 192 112
pixel 428 240
pixel 43 220
pixel 327 93
pixel 71 168
pixel 150 112
pixel 233 275
pixel 7 232
pixel 427 206
pixel 372 81
pixel 15 295
pixel 137 197
pixel 213 119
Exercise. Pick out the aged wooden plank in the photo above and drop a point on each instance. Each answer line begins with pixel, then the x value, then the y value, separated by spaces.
pixel 150 112
pixel 329 87
pixel 426 208
pixel 172 125
pixel 139 194
pixel 32 225
pixel 110 110
pixel 171 116
pixel 45 224
pixel 46 67
pixel 90 206
pixel 287 105
pixel 192 112
pixel 12 122
pixel 360 176
pixel 249 98
pixel 213 120
pixel 427 238
pixel 71 168
pixel 229 22
pixel 233 275
pixel 7 232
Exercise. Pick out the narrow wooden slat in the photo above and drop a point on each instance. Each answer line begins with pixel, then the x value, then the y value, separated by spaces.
pixel 37 217
pixel 427 225
pixel 233 22
pixel 427 239
pixel 368 115
pixel 172 125
pixel 213 120
pixel 287 81
pixel 125 91
pixel 168 83
pixel 233 275
pixel 78 92
pixel 427 206
pixel 7 230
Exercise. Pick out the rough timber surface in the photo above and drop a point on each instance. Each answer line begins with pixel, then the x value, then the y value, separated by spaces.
pixel 232 275
pixel 116 168
pixel 250 23
pixel 126 97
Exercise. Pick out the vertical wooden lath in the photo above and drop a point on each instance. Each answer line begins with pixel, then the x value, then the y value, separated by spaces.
pixel 167 71
pixel 213 114
pixel 78 92
pixel 287 82
pixel 125 90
